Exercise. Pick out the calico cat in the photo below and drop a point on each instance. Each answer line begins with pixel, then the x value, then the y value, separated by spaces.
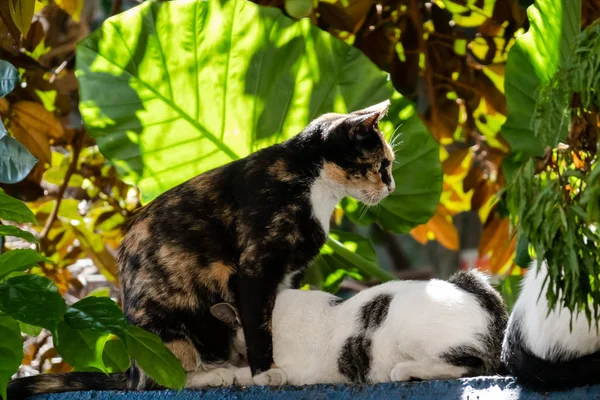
pixel 541 349
pixel 397 331
pixel 240 233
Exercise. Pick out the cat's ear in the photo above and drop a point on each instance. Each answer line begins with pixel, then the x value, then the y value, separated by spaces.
pixel 227 313
pixel 362 122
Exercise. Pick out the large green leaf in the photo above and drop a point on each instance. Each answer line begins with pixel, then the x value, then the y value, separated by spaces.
pixel 15 160
pixel 15 210
pixel 19 260
pixel 81 348
pixel 533 60
pixel 9 77
pixel 173 89
pixel 32 299
pixel 417 172
pixel 11 350
pixel 98 314
pixel 154 358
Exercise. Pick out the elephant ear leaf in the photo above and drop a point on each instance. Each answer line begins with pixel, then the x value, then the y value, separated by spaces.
pixel 173 89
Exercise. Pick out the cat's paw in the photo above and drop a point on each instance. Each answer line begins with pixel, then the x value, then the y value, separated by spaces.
pixel 272 377
pixel 399 373
pixel 214 378
pixel 243 377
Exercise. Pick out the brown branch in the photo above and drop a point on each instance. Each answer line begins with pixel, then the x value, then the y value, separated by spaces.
pixel 116 7
pixel 77 144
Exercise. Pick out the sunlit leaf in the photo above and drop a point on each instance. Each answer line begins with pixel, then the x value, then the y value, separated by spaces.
pixel 21 12
pixel 236 77
pixel 154 358
pixel 533 61
pixel 81 348
pixel 115 356
pixel 14 210
pixel 19 260
pixel 9 230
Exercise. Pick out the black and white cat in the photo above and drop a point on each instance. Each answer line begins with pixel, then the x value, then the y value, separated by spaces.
pixel 541 349
pixel 397 331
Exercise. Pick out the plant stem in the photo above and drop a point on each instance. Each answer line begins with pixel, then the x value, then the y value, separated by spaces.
pixel 77 143
pixel 365 266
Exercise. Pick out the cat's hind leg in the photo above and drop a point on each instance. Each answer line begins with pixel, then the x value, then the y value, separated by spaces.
pixel 425 370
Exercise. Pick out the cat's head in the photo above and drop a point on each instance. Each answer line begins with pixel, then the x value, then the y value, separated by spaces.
pixel 357 158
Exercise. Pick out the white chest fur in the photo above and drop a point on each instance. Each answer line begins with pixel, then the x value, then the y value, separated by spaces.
pixel 324 195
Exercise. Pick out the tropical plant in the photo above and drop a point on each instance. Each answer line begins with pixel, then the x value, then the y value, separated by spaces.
pixel 285 74
pixel 553 194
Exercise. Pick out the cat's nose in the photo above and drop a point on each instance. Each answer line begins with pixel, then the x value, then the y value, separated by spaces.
pixel 391 187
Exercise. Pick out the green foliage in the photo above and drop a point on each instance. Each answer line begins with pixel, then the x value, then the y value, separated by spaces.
pixel 337 259
pixel 19 260
pixel 285 74
pixel 99 314
pixel 9 230
pixel 155 359
pixel 554 200
pixel 84 333
pixel 532 62
pixel 32 299
pixel 14 210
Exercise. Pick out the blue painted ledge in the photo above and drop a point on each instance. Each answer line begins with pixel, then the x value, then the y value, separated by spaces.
pixel 482 388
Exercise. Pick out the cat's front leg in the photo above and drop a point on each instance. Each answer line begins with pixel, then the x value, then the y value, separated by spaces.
pixel 255 298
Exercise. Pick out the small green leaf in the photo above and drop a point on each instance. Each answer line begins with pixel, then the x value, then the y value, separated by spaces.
pixel 9 230
pixel 154 358
pixel 99 292
pixel 9 77
pixel 98 314
pixel 30 330
pixel 19 260
pixel 15 210
pixel 21 12
pixel 81 348
pixel 32 299
pixel 115 356
pixel 11 351
pixel 15 160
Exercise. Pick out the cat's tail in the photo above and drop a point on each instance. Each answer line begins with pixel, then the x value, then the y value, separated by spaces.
pixel 539 374
pixel 22 388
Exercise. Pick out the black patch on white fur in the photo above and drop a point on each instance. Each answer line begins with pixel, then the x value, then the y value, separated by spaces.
pixel 355 358
pixel 537 373
pixel 492 303
pixel 374 312
pixel 465 356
